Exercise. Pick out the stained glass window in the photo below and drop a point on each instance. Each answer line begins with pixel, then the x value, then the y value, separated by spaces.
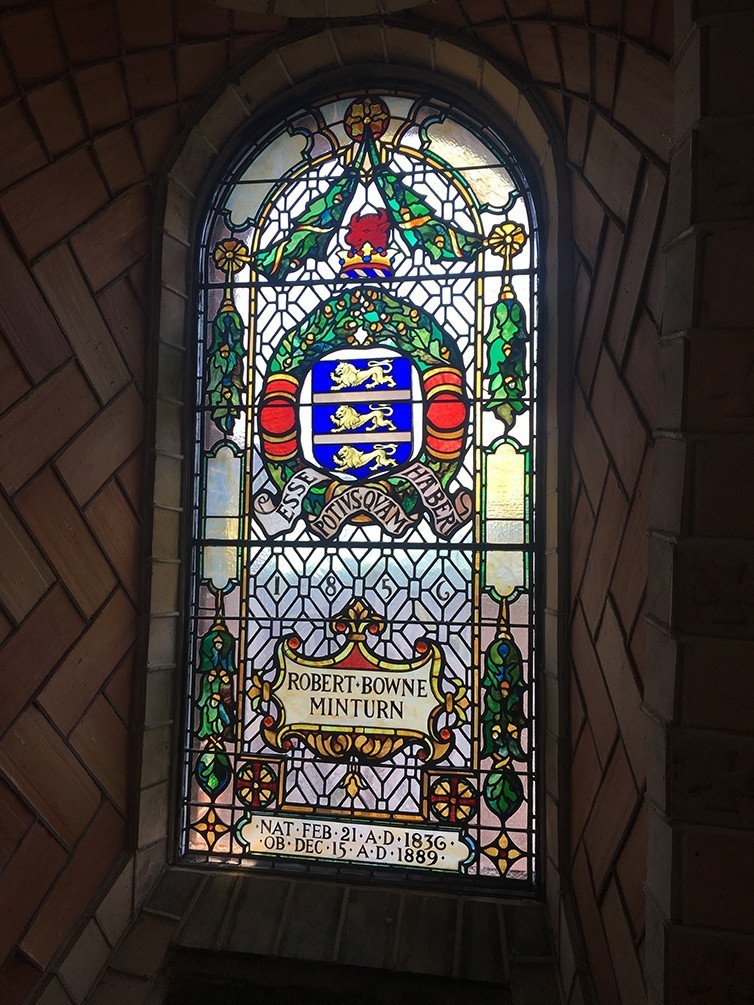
pixel 361 647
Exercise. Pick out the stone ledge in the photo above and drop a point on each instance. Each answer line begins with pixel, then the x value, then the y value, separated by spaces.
pixel 228 931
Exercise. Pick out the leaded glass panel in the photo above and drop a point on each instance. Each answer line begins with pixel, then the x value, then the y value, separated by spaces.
pixel 362 620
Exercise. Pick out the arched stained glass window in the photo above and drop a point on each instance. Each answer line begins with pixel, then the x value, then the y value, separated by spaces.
pixel 362 622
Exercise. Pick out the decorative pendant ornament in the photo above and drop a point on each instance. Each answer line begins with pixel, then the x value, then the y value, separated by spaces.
pixel 256 783
pixel 503 722
pixel 367 115
pixel 231 256
pixel 217 667
pixel 506 241
pixel 420 227
pixel 212 770
pixel 215 704
pixel 211 827
pixel 224 366
pixel 352 781
pixel 507 337
pixel 452 799
pixel 503 719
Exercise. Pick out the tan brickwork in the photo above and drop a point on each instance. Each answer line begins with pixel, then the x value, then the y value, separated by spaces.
pixel 701 823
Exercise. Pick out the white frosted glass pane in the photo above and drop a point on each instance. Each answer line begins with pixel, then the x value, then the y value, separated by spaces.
pixel 245 200
pixel 219 565
pixel 465 152
pixel 276 159
pixel 334 111
pixel 223 483
pixel 490 185
pixel 504 571
pixel 505 531
pixel 459 146
pixel 225 528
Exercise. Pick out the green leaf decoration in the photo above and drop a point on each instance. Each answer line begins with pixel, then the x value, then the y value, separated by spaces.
pixel 503 720
pixel 506 360
pixel 217 667
pixel 418 224
pixel 503 792
pixel 315 500
pixel 213 771
pixel 504 688
pixel 312 230
pixel 410 498
pixel 420 227
pixel 225 367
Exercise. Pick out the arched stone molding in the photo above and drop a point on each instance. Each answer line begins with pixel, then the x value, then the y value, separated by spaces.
pixel 384 50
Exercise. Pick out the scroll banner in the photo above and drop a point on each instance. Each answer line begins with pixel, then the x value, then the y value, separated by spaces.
pixel 447 513
pixel 372 843
pixel 274 519
pixel 362 499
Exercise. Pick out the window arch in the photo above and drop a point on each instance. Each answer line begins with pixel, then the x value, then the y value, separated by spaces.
pixel 362 625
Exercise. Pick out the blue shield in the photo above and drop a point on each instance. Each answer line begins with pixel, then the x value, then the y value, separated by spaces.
pixel 362 412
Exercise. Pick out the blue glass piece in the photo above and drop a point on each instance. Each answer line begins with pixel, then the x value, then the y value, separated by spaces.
pixel 362 414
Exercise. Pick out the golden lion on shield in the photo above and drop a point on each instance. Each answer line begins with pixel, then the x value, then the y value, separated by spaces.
pixel 349 457
pixel 377 372
pixel 345 418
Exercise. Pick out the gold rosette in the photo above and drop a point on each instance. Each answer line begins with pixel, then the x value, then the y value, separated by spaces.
pixel 230 256
pixel 366 112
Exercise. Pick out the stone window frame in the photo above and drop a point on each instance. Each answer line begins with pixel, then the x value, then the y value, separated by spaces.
pixel 304 62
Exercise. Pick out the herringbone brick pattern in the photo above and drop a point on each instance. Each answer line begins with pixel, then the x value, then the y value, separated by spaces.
pixel 93 94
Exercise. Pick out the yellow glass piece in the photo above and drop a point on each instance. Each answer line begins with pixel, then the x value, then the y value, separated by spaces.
pixel 505 484
pixel 504 571
pixel 223 527
pixel 505 511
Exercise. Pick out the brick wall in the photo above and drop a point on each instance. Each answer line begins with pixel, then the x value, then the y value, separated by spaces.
pixel 92 96
pixel 701 748
pixel 617 150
